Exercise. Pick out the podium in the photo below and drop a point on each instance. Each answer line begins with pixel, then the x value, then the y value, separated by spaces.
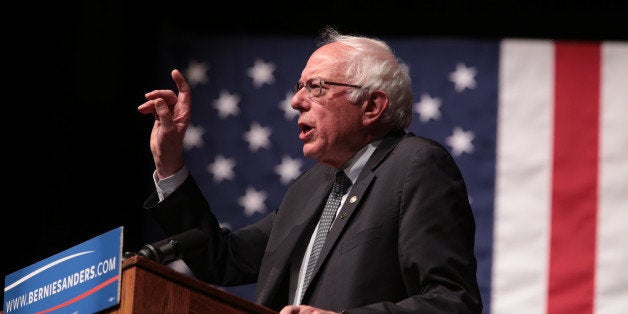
pixel 149 287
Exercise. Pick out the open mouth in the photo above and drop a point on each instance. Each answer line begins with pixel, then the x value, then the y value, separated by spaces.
pixel 305 130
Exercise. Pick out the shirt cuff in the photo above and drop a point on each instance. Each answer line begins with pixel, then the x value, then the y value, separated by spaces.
pixel 169 184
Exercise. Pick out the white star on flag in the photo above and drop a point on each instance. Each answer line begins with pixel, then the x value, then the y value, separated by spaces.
pixel 258 137
pixel 460 141
pixel 428 108
pixel 262 73
pixel 196 73
pixel 289 169
pixel 227 104
pixel 193 137
pixel 463 77
pixel 222 168
pixel 253 201
pixel 285 105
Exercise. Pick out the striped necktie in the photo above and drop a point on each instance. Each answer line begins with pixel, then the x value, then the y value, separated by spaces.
pixel 341 184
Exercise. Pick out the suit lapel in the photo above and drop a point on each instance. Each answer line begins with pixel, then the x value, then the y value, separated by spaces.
pixel 350 206
pixel 292 222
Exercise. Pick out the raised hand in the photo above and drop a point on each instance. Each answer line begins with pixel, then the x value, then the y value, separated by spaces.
pixel 172 115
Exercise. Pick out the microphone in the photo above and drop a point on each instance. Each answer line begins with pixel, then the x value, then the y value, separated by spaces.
pixel 175 247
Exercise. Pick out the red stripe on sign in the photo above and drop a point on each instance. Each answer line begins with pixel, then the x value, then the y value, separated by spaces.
pixel 83 295
pixel 574 178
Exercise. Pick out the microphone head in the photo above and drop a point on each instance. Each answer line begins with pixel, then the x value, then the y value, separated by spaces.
pixel 175 247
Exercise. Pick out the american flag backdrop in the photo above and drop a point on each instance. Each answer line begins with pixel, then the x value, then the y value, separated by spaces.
pixel 538 127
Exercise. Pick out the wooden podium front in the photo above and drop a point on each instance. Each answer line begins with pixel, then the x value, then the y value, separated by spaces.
pixel 149 287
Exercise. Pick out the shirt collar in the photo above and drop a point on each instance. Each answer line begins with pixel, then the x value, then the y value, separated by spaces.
pixel 357 162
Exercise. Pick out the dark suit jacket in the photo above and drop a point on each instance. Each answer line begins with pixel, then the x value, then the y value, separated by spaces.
pixel 403 241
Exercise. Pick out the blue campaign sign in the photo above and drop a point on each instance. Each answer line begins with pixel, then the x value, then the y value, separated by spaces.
pixel 82 279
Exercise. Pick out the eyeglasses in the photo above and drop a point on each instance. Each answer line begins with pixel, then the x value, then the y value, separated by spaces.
pixel 314 86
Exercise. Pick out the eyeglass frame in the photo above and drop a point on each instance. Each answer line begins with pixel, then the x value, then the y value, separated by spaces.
pixel 308 85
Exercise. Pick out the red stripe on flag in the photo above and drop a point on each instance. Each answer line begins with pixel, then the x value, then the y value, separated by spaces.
pixel 574 178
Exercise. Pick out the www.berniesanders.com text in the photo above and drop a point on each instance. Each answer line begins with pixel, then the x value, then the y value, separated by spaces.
pixel 62 284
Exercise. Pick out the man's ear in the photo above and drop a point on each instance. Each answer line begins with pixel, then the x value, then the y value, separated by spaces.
pixel 374 107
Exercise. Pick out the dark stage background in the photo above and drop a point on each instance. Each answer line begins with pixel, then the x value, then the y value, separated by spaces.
pixel 75 147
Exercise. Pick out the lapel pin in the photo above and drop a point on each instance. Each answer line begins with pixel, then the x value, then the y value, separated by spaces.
pixel 353 199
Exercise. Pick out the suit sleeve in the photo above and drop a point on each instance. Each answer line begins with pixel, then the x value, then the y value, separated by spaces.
pixel 437 233
pixel 231 257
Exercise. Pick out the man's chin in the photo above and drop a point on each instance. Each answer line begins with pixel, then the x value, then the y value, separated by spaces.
pixel 309 151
